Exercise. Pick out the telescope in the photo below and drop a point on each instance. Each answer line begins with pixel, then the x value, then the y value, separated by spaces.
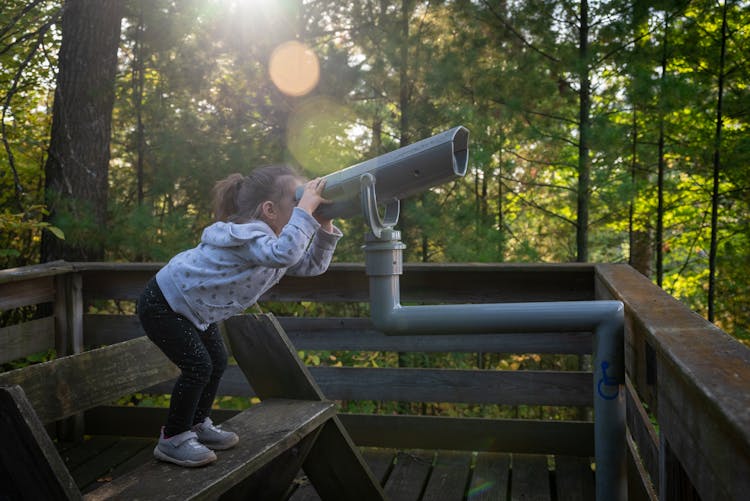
pixel 393 176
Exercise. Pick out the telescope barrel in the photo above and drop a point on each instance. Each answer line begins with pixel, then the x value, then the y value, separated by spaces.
pixel 398 174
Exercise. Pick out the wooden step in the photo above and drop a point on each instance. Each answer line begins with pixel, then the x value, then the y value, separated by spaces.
pixel 266 431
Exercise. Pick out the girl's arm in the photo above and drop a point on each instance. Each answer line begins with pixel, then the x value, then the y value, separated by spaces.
pixel 289 248
pixel 318 254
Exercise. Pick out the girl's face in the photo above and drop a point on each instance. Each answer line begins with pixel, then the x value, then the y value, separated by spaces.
pixel 281 211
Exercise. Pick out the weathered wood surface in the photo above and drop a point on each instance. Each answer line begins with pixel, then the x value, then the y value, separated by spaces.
pixel 266 430
pixel 699 392
pixel 574 479
pixel 530 478
pixel 450 474
pixel 572 438
pixel 358 334
pixel 412 475
pixel 456 385
pixel 21 340
pixel 643 433
pixel 24 273
pixel 347 282
pixel 432 385
pixel 426 432
pixel 30 466
pixel 68 385
pixel 490 478
pixel 27 292
pixel 271 364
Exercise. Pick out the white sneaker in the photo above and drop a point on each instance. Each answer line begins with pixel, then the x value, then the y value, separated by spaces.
pixel 183 449
pixel 214 437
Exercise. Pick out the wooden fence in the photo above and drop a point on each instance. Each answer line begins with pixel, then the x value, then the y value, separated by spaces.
pixel 688 383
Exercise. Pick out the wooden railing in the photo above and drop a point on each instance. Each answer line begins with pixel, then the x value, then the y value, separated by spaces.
pixel 688 383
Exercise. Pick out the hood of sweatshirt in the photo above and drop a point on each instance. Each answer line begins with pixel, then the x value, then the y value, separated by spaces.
pixel 221 234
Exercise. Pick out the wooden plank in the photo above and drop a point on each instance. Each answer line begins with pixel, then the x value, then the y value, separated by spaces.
pixel 266 430
pixel 431 385
pixel 454 385
pixel 69 312
pixel 16 294
pixel 65 386
pixel 490 478
pixel 274 369
pixel 457 283
pixel 145 454
pixel 123 283
pixel 336 468
pixel 142 421
pixel 304 492
pixel 574 479
pixel 104 329
pixel 98 469
pixel 380 462
pixel 640 485
pixel 702 376
pixel 81 452
pixel 637 349
pixel 450 474
pixel 26 273
pixel 643 433
pixel 702 454
pixel 358 334
pixel 30 467
pixel 529 478
pixel 273 481
pixel 409 476
pixel 573 438
pixel 21 340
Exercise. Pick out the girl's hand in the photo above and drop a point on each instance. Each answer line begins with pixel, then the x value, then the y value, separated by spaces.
pixel 325 224
pixel 311 196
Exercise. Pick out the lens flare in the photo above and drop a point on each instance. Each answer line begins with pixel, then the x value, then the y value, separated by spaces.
pixel 480 489
pixel 319 136
pixel 294 68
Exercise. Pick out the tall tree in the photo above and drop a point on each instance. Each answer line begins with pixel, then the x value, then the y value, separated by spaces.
pixel 77 168
pixel 713 249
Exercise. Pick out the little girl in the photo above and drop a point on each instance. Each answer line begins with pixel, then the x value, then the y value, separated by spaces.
pixel 261 234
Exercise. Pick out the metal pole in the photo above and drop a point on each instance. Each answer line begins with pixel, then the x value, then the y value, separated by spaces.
pixel 384 264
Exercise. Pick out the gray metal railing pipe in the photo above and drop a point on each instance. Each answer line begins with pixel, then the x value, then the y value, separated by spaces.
pixel 383 257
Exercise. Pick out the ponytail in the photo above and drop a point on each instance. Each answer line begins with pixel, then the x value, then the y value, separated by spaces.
pixel 225 196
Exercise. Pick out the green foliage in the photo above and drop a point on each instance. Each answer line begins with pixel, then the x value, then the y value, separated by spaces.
pixel 23 231
pixel 195 102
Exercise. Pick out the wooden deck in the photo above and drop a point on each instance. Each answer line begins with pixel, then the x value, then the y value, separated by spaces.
pixel 405 475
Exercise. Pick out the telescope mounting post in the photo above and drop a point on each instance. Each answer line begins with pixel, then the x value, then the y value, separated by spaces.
pixel 370 207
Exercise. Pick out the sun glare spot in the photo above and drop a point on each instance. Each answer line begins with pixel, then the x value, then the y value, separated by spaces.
pixel 294 68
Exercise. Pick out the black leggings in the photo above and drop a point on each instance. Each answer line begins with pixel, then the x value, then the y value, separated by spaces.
pixel 200 355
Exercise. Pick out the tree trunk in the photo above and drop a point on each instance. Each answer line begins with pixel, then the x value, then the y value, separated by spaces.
pixel 77 167
pixel 716 172
pixel 640 241
pixel 661 163
pixel 584 118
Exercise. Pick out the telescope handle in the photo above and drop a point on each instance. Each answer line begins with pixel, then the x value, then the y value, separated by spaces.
pixel 370 207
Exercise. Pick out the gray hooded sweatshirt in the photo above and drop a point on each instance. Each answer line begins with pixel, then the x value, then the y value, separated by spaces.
pixel 236 263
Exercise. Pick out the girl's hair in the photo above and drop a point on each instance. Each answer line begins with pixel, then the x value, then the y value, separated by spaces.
pixel 238 198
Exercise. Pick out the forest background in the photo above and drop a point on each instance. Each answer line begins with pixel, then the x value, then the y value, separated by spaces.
pixel 600 131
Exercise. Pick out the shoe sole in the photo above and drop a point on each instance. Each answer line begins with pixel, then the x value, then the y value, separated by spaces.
pixel 158 454
pixel 221 447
